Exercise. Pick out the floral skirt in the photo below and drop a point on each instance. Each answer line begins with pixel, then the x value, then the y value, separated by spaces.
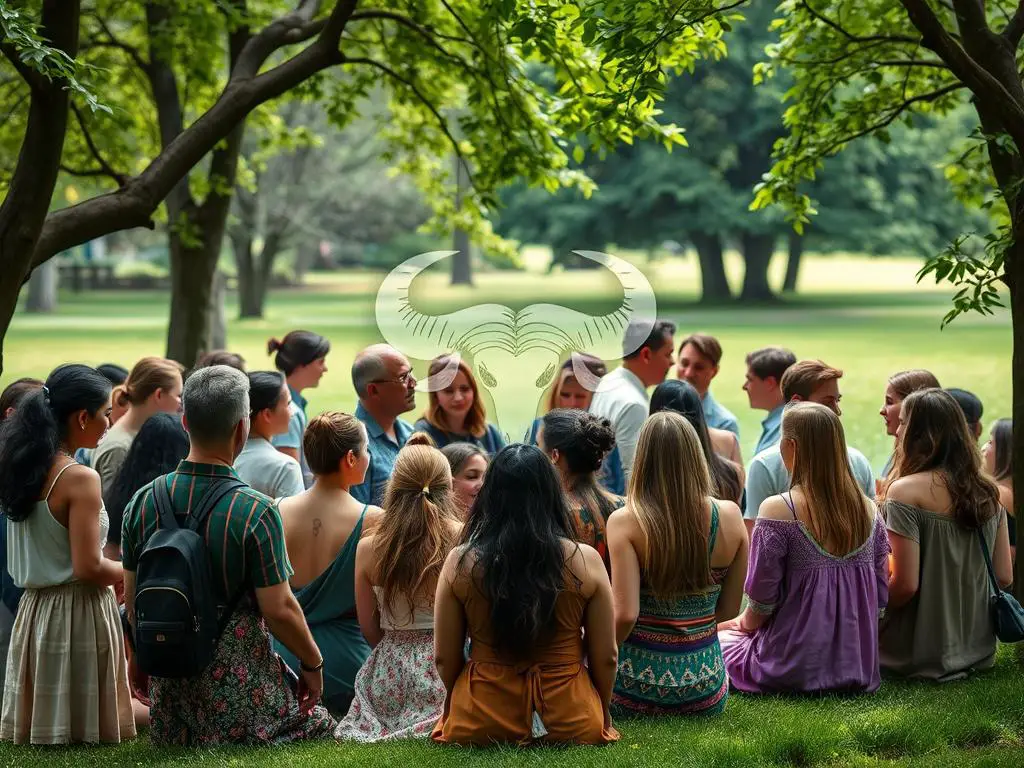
pixel 67 678
pixel 246 696
pixel 398 694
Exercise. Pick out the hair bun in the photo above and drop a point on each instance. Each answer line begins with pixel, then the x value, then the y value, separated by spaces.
pixel 598 438
pixel 272 346
pixel 421 438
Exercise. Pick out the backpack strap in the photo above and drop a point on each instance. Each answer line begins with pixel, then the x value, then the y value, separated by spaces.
pixel 218 490
pixel 164 506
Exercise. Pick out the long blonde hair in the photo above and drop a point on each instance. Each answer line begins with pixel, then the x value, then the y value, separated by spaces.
pixel 668 493
pixel 476 418
pixel 419 528
pixel 821 467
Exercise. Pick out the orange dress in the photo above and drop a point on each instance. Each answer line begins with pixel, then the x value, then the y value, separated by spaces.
pixel 548 699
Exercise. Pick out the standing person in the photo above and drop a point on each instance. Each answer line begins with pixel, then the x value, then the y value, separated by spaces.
pixel 302 357
pixel 153 386
pixel 117 376
pixel 457 414
pixel 245 695
pixel 535 604
pixel 727 477
pixel 699 358
pixel 386 387
pixel 621 396
pixel 67 679
pixel 897 388
pixel 807 381
pixel 679 557
pixel 322 528
pixel 940 510
pixel 567 392
pixel 221 357
pixel 765 368
pixel 468 464
pixel 398 693
pixel 997 461
pixel 819 573
pixel 269 471
pixel 10 593
pixel 576 442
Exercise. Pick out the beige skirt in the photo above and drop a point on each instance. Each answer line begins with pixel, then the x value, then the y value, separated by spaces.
pixel 67 677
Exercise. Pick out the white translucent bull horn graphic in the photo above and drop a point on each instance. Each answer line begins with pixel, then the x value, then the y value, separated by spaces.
pixel 515 354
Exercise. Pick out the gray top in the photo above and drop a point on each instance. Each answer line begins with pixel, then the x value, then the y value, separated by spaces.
pixel 946 629
pixel 267 470
pixel 39 548
pixel 111 453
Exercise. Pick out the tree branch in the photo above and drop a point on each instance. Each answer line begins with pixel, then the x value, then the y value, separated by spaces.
pixel 113 42
pixel 970 16
pixel 982 83
pixel 105 167
pixel 133 205
pixel 857 38
pixel 427 34
pixel 1014 30
pixel 35 79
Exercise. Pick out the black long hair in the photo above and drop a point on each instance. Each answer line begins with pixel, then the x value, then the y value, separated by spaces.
pixel 31 437
pixel 681 397
pixel 514 536
pixel 156 450
pixel 264 390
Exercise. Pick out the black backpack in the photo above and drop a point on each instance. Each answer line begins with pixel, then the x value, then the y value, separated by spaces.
pixel 176 622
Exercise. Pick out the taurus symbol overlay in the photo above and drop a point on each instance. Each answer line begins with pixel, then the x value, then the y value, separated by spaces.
pixel 515 354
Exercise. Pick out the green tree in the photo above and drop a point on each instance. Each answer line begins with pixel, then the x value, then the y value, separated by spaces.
pixel 859 68
pixel 603 61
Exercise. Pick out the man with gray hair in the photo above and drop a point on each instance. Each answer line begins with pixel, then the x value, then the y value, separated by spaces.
pixel 384 382
pixel 249 571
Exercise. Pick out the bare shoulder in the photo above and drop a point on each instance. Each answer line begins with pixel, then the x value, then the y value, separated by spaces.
pixel 77 480
pixel 729 513
pixel 371 520
pixel 907 490
pixel 774 508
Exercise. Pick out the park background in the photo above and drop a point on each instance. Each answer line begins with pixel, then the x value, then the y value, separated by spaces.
pixel 295 223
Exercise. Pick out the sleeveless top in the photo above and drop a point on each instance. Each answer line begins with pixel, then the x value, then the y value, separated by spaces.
pixel 399 619
pixel 39 547
pixel 672 660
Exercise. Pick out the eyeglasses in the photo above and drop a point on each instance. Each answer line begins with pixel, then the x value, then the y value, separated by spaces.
pixel 403 379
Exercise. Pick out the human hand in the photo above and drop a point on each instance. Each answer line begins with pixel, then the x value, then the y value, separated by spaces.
pixel 311 688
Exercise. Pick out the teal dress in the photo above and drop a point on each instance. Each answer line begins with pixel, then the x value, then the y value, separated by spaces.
pixel 329 603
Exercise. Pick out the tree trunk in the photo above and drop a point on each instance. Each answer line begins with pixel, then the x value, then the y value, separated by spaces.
pixel 218 321
pixel 192 275
pixel 757 256
pixel 1015 282
pixel 796 252
pixel 250 295
pixel 42 289
pixel 462 261
pixel 714 285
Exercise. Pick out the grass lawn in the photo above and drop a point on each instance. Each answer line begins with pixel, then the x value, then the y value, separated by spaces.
pixel 864 315
pixel 978 722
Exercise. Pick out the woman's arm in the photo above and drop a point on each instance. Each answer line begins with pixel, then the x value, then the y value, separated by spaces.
pixel 904 581
pixel 82 491
pixel 449 627
pixel 625 573
pixel 366 600
pixel 599 632
pixel 1002 559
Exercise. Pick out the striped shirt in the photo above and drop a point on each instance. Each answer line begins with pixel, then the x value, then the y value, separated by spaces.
pixel 243 532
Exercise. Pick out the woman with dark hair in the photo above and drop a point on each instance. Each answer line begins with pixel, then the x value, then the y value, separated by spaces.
pixel 302 357
pixel 567 392
pixel 468 463
pixel 577 442
pixel 221 357
pixel 523 590
pixel 679 396
pixel 271 472
pixel 940 510
pixel 456 413
pixel 14 393
pixel 997 459
pixel 67 679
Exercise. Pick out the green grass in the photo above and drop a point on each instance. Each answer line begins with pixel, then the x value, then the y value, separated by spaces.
pixel 866 316
pixel 977 722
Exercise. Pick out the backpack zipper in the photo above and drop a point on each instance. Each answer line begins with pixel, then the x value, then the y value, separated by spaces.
pixel 195 619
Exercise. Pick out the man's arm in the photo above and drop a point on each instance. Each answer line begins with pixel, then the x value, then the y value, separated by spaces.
pixel 627 433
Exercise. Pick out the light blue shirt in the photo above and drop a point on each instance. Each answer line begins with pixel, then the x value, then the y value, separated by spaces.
pixel 383 452
pixel 293 437
pixel 718 416
pixel 622 399
pixel 269 471
pixel 771 429
pixel 767 476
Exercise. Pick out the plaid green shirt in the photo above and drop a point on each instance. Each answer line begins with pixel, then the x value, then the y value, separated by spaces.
pixel 244 534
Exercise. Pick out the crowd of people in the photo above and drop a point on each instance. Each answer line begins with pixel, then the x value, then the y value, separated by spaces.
pixel 376 578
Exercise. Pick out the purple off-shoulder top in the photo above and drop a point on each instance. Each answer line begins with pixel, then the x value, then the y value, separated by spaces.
pixel 823 630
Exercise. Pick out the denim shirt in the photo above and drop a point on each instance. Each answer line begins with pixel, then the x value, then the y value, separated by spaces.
pixel 383 452
pixel 771 429
pixel 718 416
